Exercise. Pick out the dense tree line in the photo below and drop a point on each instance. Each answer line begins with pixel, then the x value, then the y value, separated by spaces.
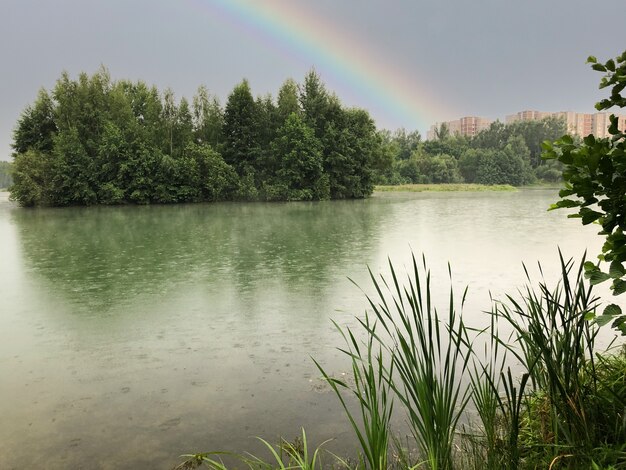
pixel 98 141
pixel 501 154
pixel 6 179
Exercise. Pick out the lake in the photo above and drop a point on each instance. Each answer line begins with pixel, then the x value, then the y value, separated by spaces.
pixel 132 335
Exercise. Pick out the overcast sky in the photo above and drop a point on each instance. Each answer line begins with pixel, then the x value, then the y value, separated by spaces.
pixel 482 57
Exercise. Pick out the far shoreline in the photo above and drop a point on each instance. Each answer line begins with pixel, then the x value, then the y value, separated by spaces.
pixel 444 187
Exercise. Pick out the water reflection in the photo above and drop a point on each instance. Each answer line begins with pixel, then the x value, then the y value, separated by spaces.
pixel 98 257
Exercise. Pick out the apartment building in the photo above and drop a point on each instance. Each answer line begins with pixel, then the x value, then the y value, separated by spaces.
pixel 527 115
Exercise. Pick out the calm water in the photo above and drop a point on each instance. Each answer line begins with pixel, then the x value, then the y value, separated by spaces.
pixel 131 335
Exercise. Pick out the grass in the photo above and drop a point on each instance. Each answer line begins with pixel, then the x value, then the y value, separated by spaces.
pixel 285 456
pixel 416 188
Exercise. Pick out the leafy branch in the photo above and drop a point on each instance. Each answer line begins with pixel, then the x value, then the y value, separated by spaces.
pixel 595 182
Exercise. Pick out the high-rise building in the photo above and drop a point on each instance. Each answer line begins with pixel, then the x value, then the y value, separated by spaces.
pixel 525 116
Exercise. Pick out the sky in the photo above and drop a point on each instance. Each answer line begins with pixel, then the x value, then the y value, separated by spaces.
pixel 409 62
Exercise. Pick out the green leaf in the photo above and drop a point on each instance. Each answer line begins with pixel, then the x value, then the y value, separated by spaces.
pixel 589 215
pixel 599 67
pixel 602 320
pixel 617 270
pixel 564 203
pixel 567 139
pixel 597 277
pixel 619 287
pixel 620 325
pixel 613 127
pixel 589 266
pixel 613 310
pixel 610 64
pixel 590 140
pixel 589 316
pixel 592 59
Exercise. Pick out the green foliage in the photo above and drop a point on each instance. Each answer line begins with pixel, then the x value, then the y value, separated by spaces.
pixel 595 182
pixel 36 127
pixel 218 181
pixel 557 344
pixel 533 133
pixel 501 154
pixel 288 101
pixel 407 142
pixel 208 119
pixel 96 141
pixel 285 456
pixel 438 169
pixel 239 127
pixel 495 167
pixel 301 167
pixel 550 171
pixel 32 178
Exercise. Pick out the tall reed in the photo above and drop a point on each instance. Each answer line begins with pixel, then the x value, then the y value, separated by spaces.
pixel 555 343
pixel 427 359
pixel 372 391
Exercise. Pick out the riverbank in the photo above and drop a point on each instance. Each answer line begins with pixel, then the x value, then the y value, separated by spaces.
pixel 416 188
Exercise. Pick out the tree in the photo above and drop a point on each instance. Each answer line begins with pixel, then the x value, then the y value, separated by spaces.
pixel 534 133
pixel 314 100
pixel 240 129
pixel 383 159
pixel 288 101
pixel 73 181
pixel 31 176
pixel 36 127
pixel 301 172
pixel 438 169
pixel 442 132
pixel 218 181
pixel 595 184
pixel 169 120
pixel 408 142
pixel 492 166
pixel 98 141
pixel 266 122
pixel 349 147
pixel 208 118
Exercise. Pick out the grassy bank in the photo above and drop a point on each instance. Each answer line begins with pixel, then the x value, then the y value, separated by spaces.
pixel 416 188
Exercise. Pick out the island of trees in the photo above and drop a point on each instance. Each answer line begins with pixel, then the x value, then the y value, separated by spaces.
pixel 97 141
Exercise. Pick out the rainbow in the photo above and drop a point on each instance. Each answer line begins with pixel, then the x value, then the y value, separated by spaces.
pixel 396 96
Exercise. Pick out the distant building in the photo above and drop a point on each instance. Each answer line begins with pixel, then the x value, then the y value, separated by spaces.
pixel 525 116
pixel 580 124
pixel 466 126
